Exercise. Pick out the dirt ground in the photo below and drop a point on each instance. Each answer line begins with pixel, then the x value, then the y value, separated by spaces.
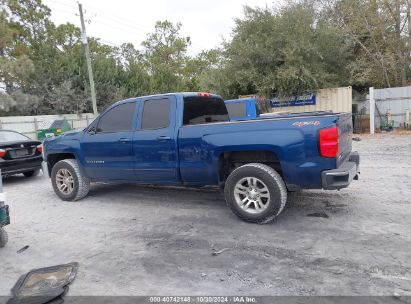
pixel 133 240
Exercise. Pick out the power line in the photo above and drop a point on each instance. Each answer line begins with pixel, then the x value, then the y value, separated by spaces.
pixel 63 3
pixel 129 23
pixel 110 43
pixel 120 23
pixel 119 19
pixel 64 11
pixel 118 27
pixel 107 23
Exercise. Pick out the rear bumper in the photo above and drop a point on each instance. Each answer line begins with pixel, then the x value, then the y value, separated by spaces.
pixel 10 167
pixel 342 176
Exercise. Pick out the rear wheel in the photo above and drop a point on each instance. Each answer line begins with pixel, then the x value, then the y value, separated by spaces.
pixel 68 182
pixel 256 193
pixel 31 173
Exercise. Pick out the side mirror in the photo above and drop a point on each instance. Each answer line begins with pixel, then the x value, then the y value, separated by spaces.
pixel 92 130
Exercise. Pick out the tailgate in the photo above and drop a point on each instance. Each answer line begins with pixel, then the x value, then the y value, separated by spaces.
pixel 344 125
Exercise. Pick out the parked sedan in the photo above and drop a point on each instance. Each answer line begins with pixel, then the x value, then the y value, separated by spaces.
pixel 19 154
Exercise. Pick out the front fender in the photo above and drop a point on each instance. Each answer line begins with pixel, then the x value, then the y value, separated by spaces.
pixel 65 144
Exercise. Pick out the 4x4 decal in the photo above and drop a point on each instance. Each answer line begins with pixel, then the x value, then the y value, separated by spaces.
pixel 306 123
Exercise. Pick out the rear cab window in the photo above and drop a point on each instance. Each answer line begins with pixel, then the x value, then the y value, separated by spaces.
pixel 204 109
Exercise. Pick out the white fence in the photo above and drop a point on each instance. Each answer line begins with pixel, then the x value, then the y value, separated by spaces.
pixel 394 101
pixel 391 105
pixel 30 125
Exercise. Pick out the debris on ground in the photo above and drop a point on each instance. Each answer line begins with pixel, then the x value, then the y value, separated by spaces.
pixel 23 249
pixel 3 237
pixel 319 214
pixel 356 139
pixel 44 284
pixel 4 217
pixel 217 252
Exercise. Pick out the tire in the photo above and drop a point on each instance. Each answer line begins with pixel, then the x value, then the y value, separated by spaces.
pixel 3 237
pixel 266 199
pixel 31 173
pixel 67 171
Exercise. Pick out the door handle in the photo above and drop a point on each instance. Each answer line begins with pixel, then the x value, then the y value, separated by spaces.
pixel 124 140
pixel 163 138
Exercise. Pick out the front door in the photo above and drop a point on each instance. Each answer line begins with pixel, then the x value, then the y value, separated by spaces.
pixel 155 142
pixel 108 147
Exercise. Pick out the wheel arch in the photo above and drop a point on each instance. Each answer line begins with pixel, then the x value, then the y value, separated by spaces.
pixel 54 158
pixel 228 161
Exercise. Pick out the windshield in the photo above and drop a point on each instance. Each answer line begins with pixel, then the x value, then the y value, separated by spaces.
pixel 6 136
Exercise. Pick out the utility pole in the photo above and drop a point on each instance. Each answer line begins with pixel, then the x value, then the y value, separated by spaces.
pixel 372 111
pixel 89 69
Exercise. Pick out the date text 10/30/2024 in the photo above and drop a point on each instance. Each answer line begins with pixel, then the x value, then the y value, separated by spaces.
pixel 204 299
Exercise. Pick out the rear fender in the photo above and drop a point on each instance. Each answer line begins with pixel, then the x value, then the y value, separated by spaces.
pixel 287 149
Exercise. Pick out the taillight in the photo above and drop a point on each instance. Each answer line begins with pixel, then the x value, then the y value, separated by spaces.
pixel 202 94
pixel 329 142
pixel 2 153
pixel 40 148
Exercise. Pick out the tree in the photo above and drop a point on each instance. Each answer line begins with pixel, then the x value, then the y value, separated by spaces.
pixel 135 79
pixel 15 65
pixel 380 31
pixel 165 57
pixel 283 51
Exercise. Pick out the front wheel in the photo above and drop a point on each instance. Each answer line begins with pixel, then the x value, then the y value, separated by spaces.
pixel 256 193
pixel 68 182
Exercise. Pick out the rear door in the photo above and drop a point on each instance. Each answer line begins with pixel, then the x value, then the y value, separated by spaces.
pixel 155 141
pixel 107 147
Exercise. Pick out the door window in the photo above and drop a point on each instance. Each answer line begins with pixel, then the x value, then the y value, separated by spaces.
pixel 119 118
pixel 156 114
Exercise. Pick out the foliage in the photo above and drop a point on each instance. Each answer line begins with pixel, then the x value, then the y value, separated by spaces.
pixel 302 45
pixel 380 31
pixel 283 52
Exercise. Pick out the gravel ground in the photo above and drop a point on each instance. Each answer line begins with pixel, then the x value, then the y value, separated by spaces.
pixel 133 240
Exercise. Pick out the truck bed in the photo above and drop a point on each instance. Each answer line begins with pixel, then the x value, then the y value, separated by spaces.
pixel 292 138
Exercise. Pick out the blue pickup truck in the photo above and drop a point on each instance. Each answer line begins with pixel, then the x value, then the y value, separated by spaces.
pixel 187 139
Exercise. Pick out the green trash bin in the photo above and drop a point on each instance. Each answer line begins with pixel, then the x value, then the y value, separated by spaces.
pixel 56 128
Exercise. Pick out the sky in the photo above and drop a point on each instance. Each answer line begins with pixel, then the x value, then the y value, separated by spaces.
pixel 115 22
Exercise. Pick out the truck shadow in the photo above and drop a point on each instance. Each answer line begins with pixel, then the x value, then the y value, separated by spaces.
pixel 309 203
pixel 318 203
pixel 159 194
